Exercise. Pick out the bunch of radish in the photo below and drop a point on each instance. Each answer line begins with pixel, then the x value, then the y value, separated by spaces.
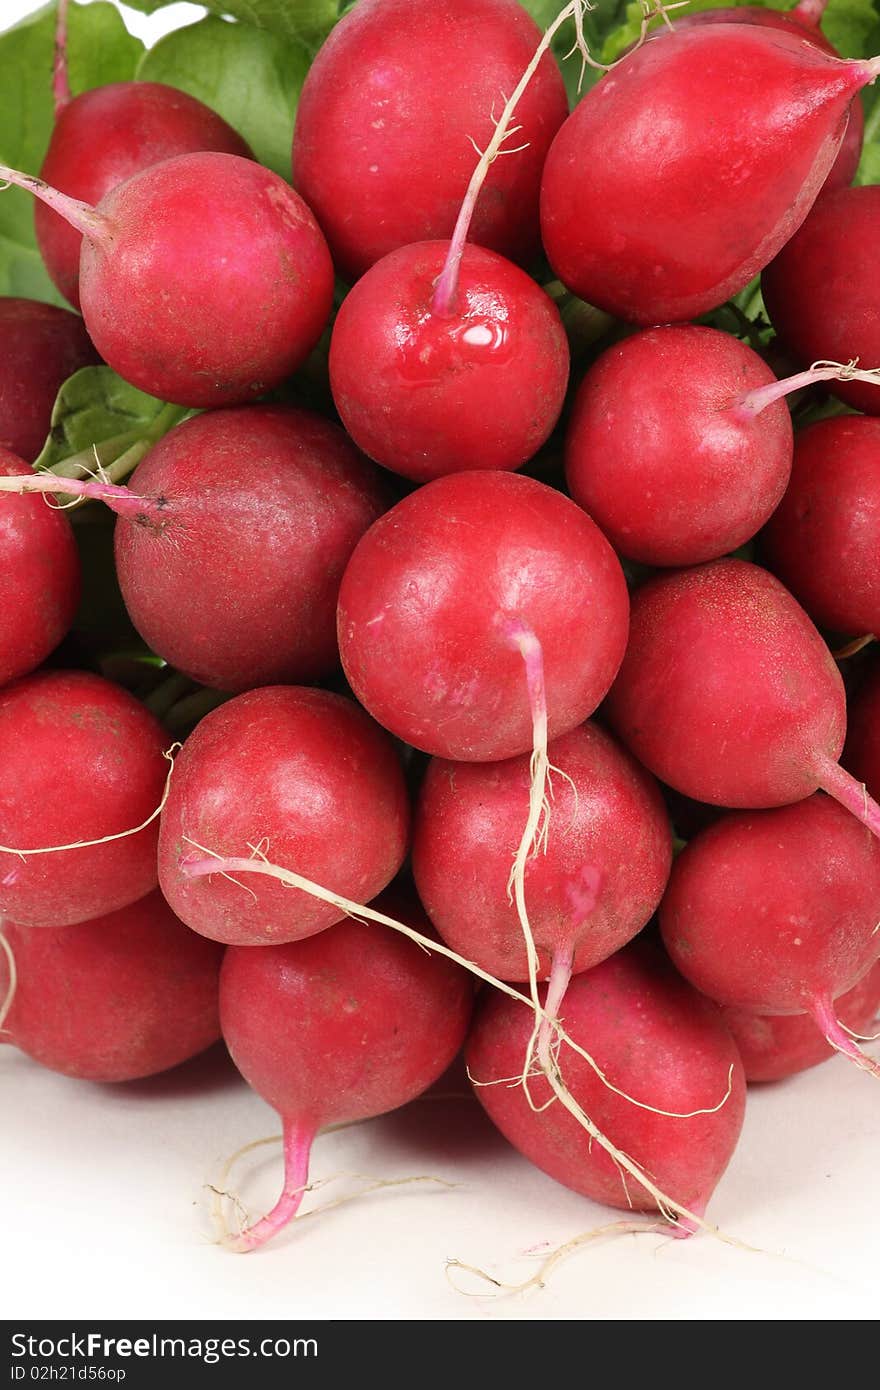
pixel 419 753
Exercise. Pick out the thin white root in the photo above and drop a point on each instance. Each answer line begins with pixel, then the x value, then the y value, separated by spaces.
pixel 11 987
pixel 539 1278
pixel 169 755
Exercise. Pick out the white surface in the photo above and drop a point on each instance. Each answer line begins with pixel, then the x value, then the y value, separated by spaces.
pixel 107 1211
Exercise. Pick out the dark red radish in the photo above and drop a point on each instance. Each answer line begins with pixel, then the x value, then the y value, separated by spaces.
pixel 104 136
pixel 822 294
pixel 776 912
pixel 861 755
pixel 301 774
pixel 40 347
pixel 412 384
pixel 204 280
pixel 595 883
pixel 803 20
pixel 390 113
pixel 683 485
pixel 39 577
pixel 81 761
pixel 654 206
pixel 822 541
pixel 775 1046
pixel 451 599
pixel 123 996
pixel 728 693
pixel 656 1039
pixel 342 1027
pixel 234 579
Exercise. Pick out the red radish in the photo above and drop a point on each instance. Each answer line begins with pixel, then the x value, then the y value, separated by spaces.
pixel 776 912
pixel 676 487
pixel 803 20
pixel 41 347
pixel 338 1028
pixel 81 761
pixel 412 383
pixel 39 577
pixel 204 280
pixel 728 693
pixel 303 774
pixel 446 594
pixel 261 509
pixel 774 1046
pixel 389 115
pixel 656 208
pixel 861 756
pixel 103 136
pixel 822 541
pixel 597 881
pixel 654 1038
pixel 123 996
pixel 821 290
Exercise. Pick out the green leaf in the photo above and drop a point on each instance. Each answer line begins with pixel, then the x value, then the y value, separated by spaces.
pixel 100 50
pixel 306 22
pixel 96 408
pixel 849 26
pixel 251 77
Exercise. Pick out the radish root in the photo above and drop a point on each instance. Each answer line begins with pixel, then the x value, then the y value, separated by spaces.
pixel 747 406
pixel 12 985
pixel 539 1278
pixel 249 1237
pixel 841 1039
pixel 169 755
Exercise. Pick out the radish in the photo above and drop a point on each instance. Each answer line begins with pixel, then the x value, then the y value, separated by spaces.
pixel 861 756
pixel 597 881
pixel 654 206
pixel 301 772
pixel 389 115
pixel 776 912
pixel 411 377
pixel 250 517
pixel 103 136
pixel 678 487
pixel 123 996
pixel 653 1036
pixel 335 1029
pixel 39 577
pixel 41 347
pixel 822 540
pixel 454 599
pixel 728 693
pixel 774 1046
pixel 821 290
pixel 804 21
pixel 204 280
pixel 81 780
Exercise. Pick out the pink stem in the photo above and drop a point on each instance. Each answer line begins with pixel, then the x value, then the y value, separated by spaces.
pixel 82 216
pixel 853 795
pixel 445 297
pixel 751 403
pixel 560 978
pixel 118 499
pixel 810 11
pixel 60 76
pixel 298 1140
pixel 870 69
pixel 822 1012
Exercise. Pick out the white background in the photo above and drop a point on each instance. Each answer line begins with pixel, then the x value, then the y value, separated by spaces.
pixel 107 1202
